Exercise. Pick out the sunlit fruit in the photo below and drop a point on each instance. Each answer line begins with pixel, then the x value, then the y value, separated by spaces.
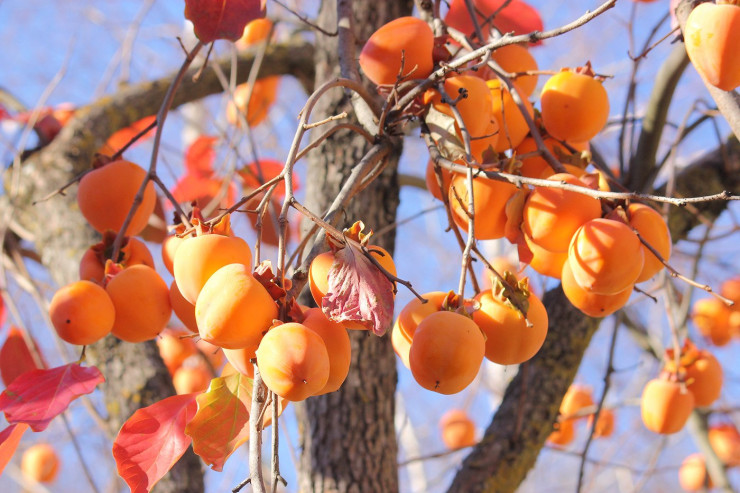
pixel 712 317
pixel 169 247
pixel 446 352
pixel 40 463
pixel 577 397
pixel 338 346
pixel 725 440
pixel 512 123
pixel 175 349
pixel 604 425
pixel 82 313
pixel 433 184
pixel 692 475
pixel 401 344
pixel 654 230
pixel 184 310
pixel 241 359
pixel 458 430
pixel 544 261
pixel 411 315
pixel 507 16
pixel 407 42
pixel 517 59
pixel 711 37
pixel 563 434
pixel 592 304
pixel 133 252
pixel 106 194
pixel 189 379
pixel 234 310
pixel 665 406
pixel 260 101
pixel 142 302
pixel 473 111
pixel 575 106
pixel 293 361
pixel 489 202
pixel 704 378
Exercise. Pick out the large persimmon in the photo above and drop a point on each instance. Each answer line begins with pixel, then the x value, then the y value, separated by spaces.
pixel 574 105
pixel 458 430
pixel 712 37
pixel 592 304
pixel 338 346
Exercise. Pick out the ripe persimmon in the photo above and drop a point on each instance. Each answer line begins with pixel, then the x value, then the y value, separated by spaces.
pixel 692 475
pixel 458 430
pixel 234 310
pixel 40 463
pixel 711 37
pixel 576 398
pixel 712 317
pixel 196 259
pixel 255 111
pixel 407 42
pixel 142 302
pixel 241 359
pixel 82 313
pixel 544 261
pixel 605 256
pixel 653 229
pixel 133 252
pixel 489 201
pixel 401 344
pixel 432 182
pixel 293 361
pixel 169 247
pixel 604 425
pixel 446 352
pixel 338 346
pixel 665 406
pixel 476 108
pixel 184 310
pixel 574 105
pixel 514 59
pixel 563 434
pixel 592 304
pixel 535 166
pixel 725 440
pixel 105 196
pixel 700 370
pixel 189 379
pixel 175 349
pixel 513 125
pixel 416 310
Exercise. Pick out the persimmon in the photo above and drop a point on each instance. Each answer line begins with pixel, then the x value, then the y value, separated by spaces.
pixel 189 379
pixel 476 107
pixel 544 261
pixel 416 310
pixel 604 427
pixel 592 304
pixel 196 259
pixel 535 166
pixel 513 125
pixel 489 200
pixel 605 256
pixel 255 32
pixel 692 475
pixel 106 194
pixel 432 182
pixel 700 370
pixel 446 352
pixel 730 289
pixel 401 344
pixel 518 17
pixel 407 42
pixel 175 349
pixel 337 344
pixel 551 216
pixel 574 105
pixel 234 310
pixel 142 302
pixel 133 252
pixel 514 59
pixel 725 440
pixel 184 310
pixel 711 37
pixel 241 359
pixel 169 247
pixel 576 398
pixel 458 430
pixel 82 313
pixel 212 353
pixel 712 317
pixel 293 361
pixel 653 229
pixel 509 341
pixel 40 463
pixel 256 110
pixel 665 406
pixel 563 434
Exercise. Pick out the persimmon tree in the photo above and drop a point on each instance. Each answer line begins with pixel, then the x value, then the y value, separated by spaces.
pixel 507 163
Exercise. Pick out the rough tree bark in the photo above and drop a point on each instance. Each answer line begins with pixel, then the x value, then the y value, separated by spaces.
pixel 348 437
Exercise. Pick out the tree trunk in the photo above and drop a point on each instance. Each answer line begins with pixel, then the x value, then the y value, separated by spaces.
pixel 348 438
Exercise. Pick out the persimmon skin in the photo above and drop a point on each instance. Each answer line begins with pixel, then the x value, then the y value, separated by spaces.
pixel 133 253
pixel 234 310
pixel 415 311
pixel 476 109
pixel 563 434
pixel 255 32
pixel 513 125
pixel 406 38
pixel 105 196
pixel 196 259
pixel 704 379
pixel 458 430
pixel 508 339
pixel 142 302
pixel 293 361
pixel 592 304
pixel 653 229
pixel 517 58
pixel 401 345
pixel 712 318
pixel 576 398
pixel 692 475
pixel 490 197
pixel 664 407
pixel 711 37
pixel 604 427
pixel 725 440
pixel 430 177
pixel 446 352
pixel 82 313
pixel 184 310
pixel 544 261
pixel 575 106
pixel 535 166
pixel 241 359
pixel 337 344
pixel 40 463
pixel 175 349
pixel 187 380
pixel 169 247
pixel 263 96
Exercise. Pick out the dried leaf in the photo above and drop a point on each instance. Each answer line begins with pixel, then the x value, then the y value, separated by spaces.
pixel 442 129
pixel 10 437
pixel 38 396
pixel 15 357
pixel 222 19
pixel 358 291
pixel 153 440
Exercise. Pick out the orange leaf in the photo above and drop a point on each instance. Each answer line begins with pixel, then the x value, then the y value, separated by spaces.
pixel 256 173
pixel 15 357
pixel 200 155
pixel 10 437
pixel 124 136
pixel 222 19
pixel 202 190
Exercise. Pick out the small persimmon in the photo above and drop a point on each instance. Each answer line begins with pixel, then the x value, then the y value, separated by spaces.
pixel 133 252
pixel 665 406
pixel 175 349
pixel 725 440
pixel 574 105
pixel 692 475
pixel 40 463
pixel 458 430
pixel 563 434
pixel 604 427
pixel 82 313
pixel 577 397
pixel 255 111
pixel 189 379
pixel 712 317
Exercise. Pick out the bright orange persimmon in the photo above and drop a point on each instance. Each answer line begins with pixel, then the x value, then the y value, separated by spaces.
pixel 544 261
pixel 665 406
pixel 338 346
pixel 604 425
pixel 262 97
pixel 535 166
pixel 406 41
pixel 605 256
pixel 105 196
pixel 513 125
pixel 592 304
pixel 475 114
pixel 293 361
pixel 576 398
pixel 169 247
pixel 133 252
pixel 82 313
pixel 184 310
pixel 241 359
pixel 551 216
pixel 40 463
pixel 142 302
pixel 725 440
pixel 563 434
pixel 515 59
pixel 196 259
pixel 189 379
pixel 692 475
pixel 712 317
pixel 700 370
pixel 712 37
pixel 432 182
pixel 458 430
pixel 653 229
pixel 401 344
pixel 731 289
pixel 234 310
pixel 409 318
pixel 489 197
pixel 575 106
pixel 446 352
pixel 175 349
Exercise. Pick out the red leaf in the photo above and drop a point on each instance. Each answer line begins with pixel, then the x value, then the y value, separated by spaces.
pixel 38 396
pixel 15 357
pixel 124 136
pixel 256 173
pixel 358 291
pixel 191 188
pixel 222 19
pixel 200 155
pixel 153 440
pixel 517 17
pixel 10 437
